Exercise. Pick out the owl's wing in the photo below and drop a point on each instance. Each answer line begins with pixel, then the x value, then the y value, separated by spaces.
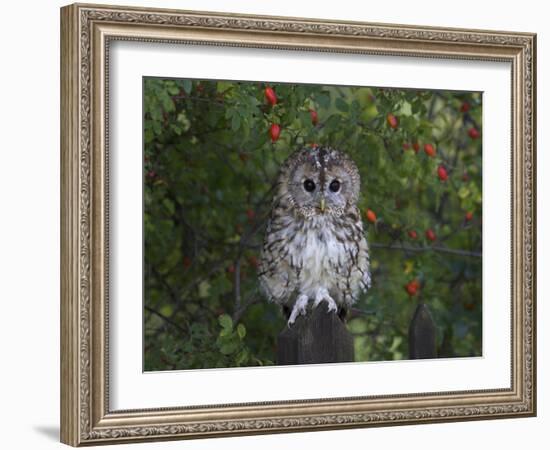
pixel 364 264
pixel 363 260
pixel 354 278
pixel 276 277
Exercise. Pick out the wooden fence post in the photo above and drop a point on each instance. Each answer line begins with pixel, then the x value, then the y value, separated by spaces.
pixel 318 337
pixel 422 334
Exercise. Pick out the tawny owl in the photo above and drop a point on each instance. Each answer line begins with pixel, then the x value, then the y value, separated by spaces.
pixel 315 247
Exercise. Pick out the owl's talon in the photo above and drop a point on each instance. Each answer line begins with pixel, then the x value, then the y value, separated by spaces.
pixel 323 295
pixel 299 309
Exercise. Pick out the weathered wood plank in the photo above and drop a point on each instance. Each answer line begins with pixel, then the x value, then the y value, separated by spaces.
pixel 422 334
pixel 318 337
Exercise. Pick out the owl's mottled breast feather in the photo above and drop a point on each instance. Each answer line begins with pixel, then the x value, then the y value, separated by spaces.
pixel 301 254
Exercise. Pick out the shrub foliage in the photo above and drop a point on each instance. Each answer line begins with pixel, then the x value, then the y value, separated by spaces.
pixel 210 159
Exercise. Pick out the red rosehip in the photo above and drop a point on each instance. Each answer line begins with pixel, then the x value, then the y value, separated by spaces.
pixel 442 173
pixel 465 176
pixel 430 235
pixel 429 149
pixel 371 216
pixel 412 234
pixel 411 290
pixel 406 145
pixel 473 133
pixel 250 215
pixel 314 116
pixel 416 147
pixel 412 287
pixel 274 132
pixel 392 121
pixel 469 216
pixel 270 96
pixel 231 269
pixel 187 262
pixel 465 107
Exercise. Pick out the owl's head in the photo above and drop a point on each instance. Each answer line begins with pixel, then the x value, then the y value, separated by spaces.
pixel 320 180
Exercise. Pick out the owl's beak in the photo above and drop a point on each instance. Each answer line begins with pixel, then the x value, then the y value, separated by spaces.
pixel 322 205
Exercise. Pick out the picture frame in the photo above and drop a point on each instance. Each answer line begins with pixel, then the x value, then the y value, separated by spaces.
pixel 87 33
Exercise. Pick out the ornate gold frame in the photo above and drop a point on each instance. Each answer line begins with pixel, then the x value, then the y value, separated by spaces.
pixel 86 31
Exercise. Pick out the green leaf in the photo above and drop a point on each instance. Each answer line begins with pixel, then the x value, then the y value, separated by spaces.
pixel 225 334
pixel 223 86
pixel 173 89
pixel 341 104
pixel 187 86
pixel 169 205
pixel 241 330
pixel 242 357
pixel 333 122
pixel 229 348
pixel 235 122
pixel 226 322
pixel 323 100
pixel 204 289
pixel 463 192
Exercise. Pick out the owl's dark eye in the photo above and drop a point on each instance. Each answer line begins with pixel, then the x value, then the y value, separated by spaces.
pixel 334 186
pixel 309 185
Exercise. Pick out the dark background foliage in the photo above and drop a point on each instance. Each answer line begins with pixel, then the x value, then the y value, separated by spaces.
pixel 210 160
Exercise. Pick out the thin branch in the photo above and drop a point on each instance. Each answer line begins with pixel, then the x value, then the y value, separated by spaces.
pixel 421 249
pixel 357 312
pixel 250 300
pixel 165 319
pixel 196 282
pixel 211 101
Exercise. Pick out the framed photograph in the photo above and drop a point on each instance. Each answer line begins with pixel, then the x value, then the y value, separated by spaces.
pixel 275 224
